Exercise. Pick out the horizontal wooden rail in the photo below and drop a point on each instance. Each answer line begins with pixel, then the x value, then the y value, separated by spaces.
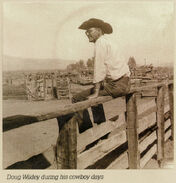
pixel 18 120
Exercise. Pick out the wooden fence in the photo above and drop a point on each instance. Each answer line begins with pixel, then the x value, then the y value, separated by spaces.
pixel 136 133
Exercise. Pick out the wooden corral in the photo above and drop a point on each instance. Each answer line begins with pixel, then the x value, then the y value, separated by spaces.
pixel 63 86
pixel 48 86
pixel 150 72
pixel 129 139
pixel 31 87
pixel 40 86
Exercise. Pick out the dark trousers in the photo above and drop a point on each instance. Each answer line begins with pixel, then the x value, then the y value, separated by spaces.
pixel 109 87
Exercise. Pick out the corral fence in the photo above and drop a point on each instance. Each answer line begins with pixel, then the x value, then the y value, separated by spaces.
pixel 47 86
pixel 128 139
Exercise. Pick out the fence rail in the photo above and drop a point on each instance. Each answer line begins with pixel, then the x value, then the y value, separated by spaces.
pixel 137 132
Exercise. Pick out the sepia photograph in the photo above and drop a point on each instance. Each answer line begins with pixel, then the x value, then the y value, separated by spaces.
pixel 87 85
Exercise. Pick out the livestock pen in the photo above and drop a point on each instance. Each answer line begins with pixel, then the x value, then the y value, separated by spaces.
pixel 129 139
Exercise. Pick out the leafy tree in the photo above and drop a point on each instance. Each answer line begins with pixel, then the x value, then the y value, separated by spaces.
pixel 90 62
pixel 132 63
pixel 81 64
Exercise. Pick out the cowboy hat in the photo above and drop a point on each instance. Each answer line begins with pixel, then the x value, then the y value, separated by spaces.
pixel 93 22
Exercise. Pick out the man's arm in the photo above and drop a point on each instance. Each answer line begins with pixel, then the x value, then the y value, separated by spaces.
pixel 99 67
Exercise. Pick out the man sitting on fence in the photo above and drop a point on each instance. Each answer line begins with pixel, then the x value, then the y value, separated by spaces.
pixel 111 75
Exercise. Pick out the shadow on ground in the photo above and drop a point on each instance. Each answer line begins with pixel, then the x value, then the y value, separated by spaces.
pixel 35 162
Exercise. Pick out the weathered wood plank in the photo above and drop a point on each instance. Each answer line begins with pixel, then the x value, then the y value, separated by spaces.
pixel 150 81
pixel 171 103
pixel 145 105
pixel 147 141
pixel 98 131
pixel 132 132
pixel 167 135
pixel 120 163
pixel 149 93
pixel 166 116
pixel 147 132
pixel 117 130
pixel 160 124
pixel 147 112
pixel 166 108
pixel 98 151
pixel 167 124
pixel 147 122
pixel 148 156
pixel 138 89
pixel 118 106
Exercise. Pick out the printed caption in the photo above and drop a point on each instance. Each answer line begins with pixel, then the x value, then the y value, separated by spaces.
pixel 55 177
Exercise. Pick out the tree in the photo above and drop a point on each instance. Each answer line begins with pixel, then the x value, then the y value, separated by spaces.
pixel 132 65
pixel 71 67
pixel 90 62
pixel 81 64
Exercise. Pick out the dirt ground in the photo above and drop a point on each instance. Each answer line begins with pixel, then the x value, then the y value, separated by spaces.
pixel 24 142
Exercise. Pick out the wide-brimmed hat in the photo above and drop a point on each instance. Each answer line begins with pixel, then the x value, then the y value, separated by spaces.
pixel 93 22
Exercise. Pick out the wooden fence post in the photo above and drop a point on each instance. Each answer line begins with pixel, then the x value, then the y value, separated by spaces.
pixel 171 104
pixel 66 147
pixel 132 132
pixel 160 125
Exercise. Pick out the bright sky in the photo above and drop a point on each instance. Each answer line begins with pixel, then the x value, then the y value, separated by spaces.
pixel 49 29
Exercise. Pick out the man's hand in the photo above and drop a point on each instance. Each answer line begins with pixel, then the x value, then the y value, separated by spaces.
pixel 96 91
pixel 95 95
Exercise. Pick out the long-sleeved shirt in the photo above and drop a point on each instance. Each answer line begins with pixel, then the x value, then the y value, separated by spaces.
pixel 107 61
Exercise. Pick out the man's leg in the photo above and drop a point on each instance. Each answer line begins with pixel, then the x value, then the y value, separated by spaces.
pixel 84 121
pixel 98 114
pixel 114 89
pixel 98 111
pixel 81 96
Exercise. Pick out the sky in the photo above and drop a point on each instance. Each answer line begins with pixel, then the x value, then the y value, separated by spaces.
pixel 49 29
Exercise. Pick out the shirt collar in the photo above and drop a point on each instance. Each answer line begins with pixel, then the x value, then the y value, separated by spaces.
pixel 101 37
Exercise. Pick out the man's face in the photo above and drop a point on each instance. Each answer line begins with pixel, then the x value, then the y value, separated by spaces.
pixel 93 34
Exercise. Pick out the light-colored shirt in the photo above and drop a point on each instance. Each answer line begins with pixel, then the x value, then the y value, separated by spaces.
pixel 107 61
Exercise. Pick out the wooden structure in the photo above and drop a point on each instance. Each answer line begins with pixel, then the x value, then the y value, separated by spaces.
pixel 63 86
pixel 39 86
pixel 31 87
pixel 48 86
pixel 136 133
